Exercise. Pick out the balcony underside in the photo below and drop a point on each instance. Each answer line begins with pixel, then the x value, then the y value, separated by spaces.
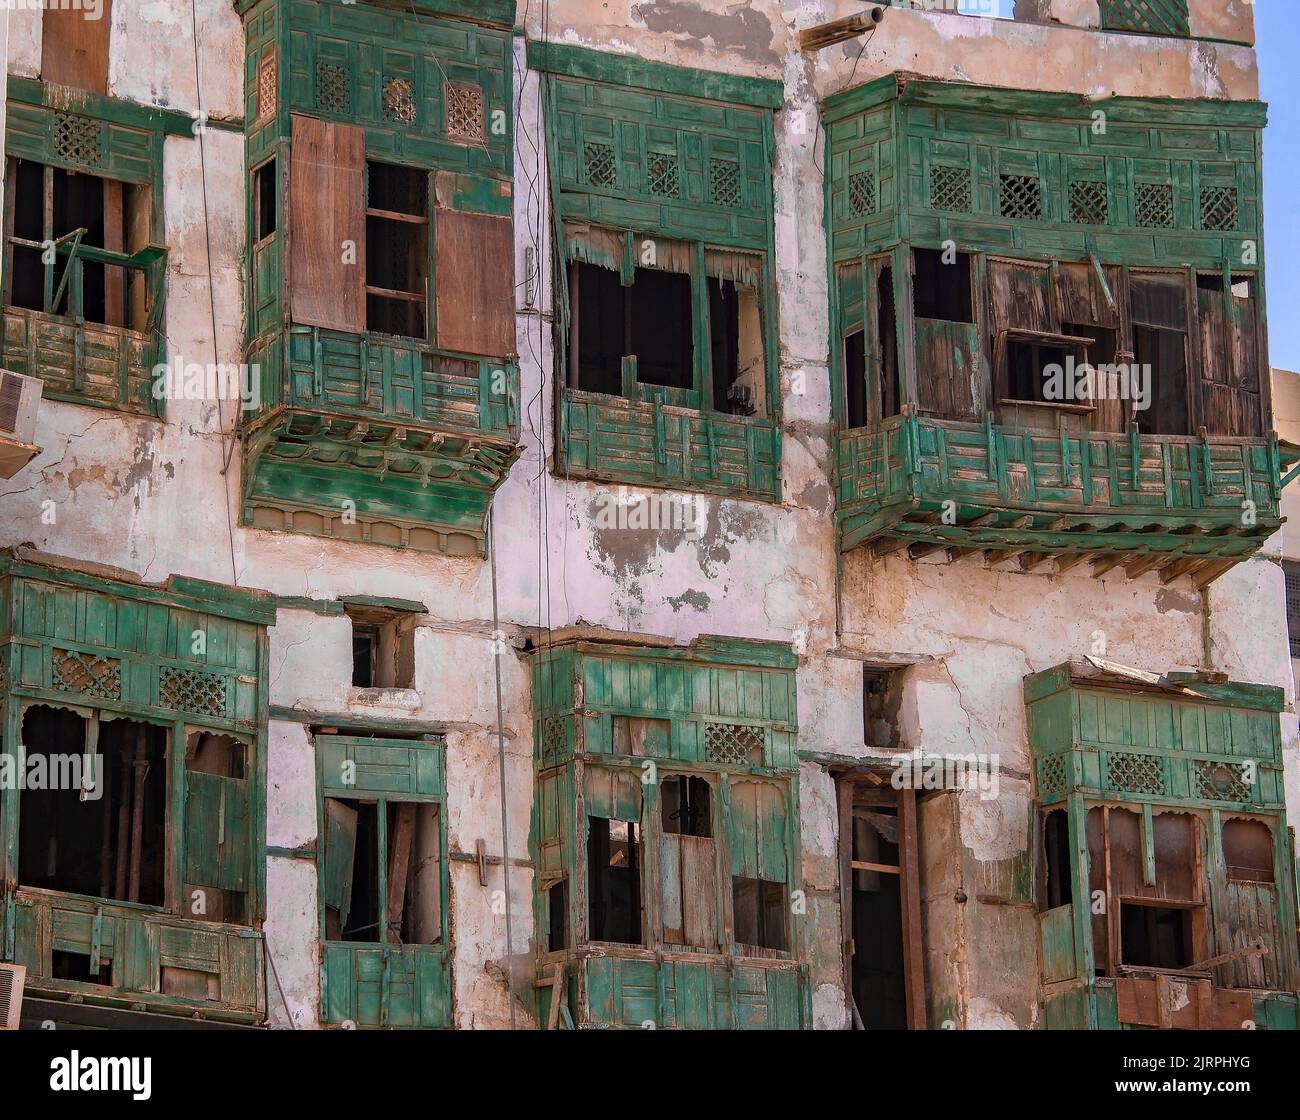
pixel 333 476
pixel 1176 505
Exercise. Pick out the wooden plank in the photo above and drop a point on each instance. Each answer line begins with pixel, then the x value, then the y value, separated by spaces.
pixel 910 881
pixel 699 891
pixel 326 214
pixel 74 48
pixel 474 283
pixel 399 862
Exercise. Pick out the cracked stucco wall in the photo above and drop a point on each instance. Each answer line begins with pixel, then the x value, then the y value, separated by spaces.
pixel 150 497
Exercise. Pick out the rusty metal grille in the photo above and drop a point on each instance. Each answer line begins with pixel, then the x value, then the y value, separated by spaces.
pixel 1152 17
pixel 88 674
pixel 724 182
pixel 267 72
pixel 464 111
pixel 1051 778
pixel 735 743
pixel 1019 196
pixel 862 193
pixel 398 99
pixel 553 740
pixel 662 177
pixel 598 167
pixel 192 690
pixel 1154 205
pixel 1089 205
pixel 1219 781
pixel 1219 208
pixel 78 139
pixel 1134 773
pixel 950 188
pixel 333 88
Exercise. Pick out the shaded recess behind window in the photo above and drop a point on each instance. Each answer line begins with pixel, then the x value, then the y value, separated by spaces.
pixel 1027 364
pixel 222 757
pixel 114 215
pixel 614 881
pixel 941 289
pixel 686 806
pixel 883 402
pixel 652 319
pixel 111 847
pixel 759 911
pixel 383 650
pixel 1057 886
pixel 1156 936
pixel 880 702
pixel 557 907
pixel 397 250
pixel 879 982
pixel 412 872
pixel 264 196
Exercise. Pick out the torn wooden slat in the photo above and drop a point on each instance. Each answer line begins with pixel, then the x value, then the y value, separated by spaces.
pixel 399 862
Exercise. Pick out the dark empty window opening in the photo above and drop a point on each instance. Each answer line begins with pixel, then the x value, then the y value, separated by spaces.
pixel 941 289
pixel 614 881
pixel 1101 352
pixel 383 647
pixel 650 319
pixel 1155 936
pixel 1027 364
pixel 855 380
pixel 1163 352
pixel 88 213
pixel 264 196
pixel 736 341
pixel 887 340
pixel 365 655
pixel 413 876
pixel 397 253
pixel 759 912
pixel 880 702
pixel 1213 282
pixel 361 922
pixel 557 916
pixel 879 982
pixel 686 806
pixel 67 964
pixel 109 847
pixel 660 324
pixel 1056 860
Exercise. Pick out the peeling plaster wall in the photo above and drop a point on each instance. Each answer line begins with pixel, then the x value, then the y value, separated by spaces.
pixel 150 497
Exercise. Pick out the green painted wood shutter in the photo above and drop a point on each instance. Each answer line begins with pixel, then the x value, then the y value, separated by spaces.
pixel 757 831
pixel 340 854
pixel 217 832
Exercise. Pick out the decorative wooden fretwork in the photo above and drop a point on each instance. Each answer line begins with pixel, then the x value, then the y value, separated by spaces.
pixel 724 182
pixel 662 176
pixel 1051 778
pixel 1088 202
pixel 553 740
pixel 1219 208
pixel 1220 781
pixel 598 168
pixel 1019 196
pixel 1154 205
pixel 1151 17
pixel 192 690
pixel 399 100
pixel 267 72
pixel 950 188
pixel 78 139
pixel 333 88
pixel 735 743
pixel 1134 773
pixel 464 112
pixel 87 674
pixel 862 193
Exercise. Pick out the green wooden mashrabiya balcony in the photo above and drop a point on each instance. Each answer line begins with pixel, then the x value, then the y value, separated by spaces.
pixel 665 835
pixel 1166 872
pixel 380 141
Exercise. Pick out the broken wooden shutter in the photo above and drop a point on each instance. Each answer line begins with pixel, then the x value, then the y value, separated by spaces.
pixel 1230 403
pixel 327 214
pixel 74 49
pixel 688 881
pixel 613 795
pixel 1089 309
pixel 474 283
pixel 340 840
pixel 756 829
pixel 1158 317
pixel 216 832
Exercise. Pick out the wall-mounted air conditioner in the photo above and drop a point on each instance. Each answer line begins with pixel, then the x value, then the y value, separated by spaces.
pixel 20 398
pixel 12 978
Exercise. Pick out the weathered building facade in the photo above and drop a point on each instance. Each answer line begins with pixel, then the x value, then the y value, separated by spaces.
pixel 640 580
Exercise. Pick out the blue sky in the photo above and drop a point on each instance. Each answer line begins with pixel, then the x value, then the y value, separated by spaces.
pixel 1277 37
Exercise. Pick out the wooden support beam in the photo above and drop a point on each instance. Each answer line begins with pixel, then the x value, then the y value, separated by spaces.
pixel 1142 564
pixel 985 519
pixel 1068 560
pixel 1211 572
pixel 910 900
pixel 883 546
pixel 839 30
pixel 918 549
pixel 997 555
pixel 1031 560
pixel 1103 564
pixel 1171 572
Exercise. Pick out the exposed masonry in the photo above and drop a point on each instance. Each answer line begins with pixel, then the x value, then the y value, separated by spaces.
pixel 952 642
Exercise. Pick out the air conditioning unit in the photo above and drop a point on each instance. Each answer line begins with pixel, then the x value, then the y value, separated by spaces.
pixel 20 397
pixel 12 978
